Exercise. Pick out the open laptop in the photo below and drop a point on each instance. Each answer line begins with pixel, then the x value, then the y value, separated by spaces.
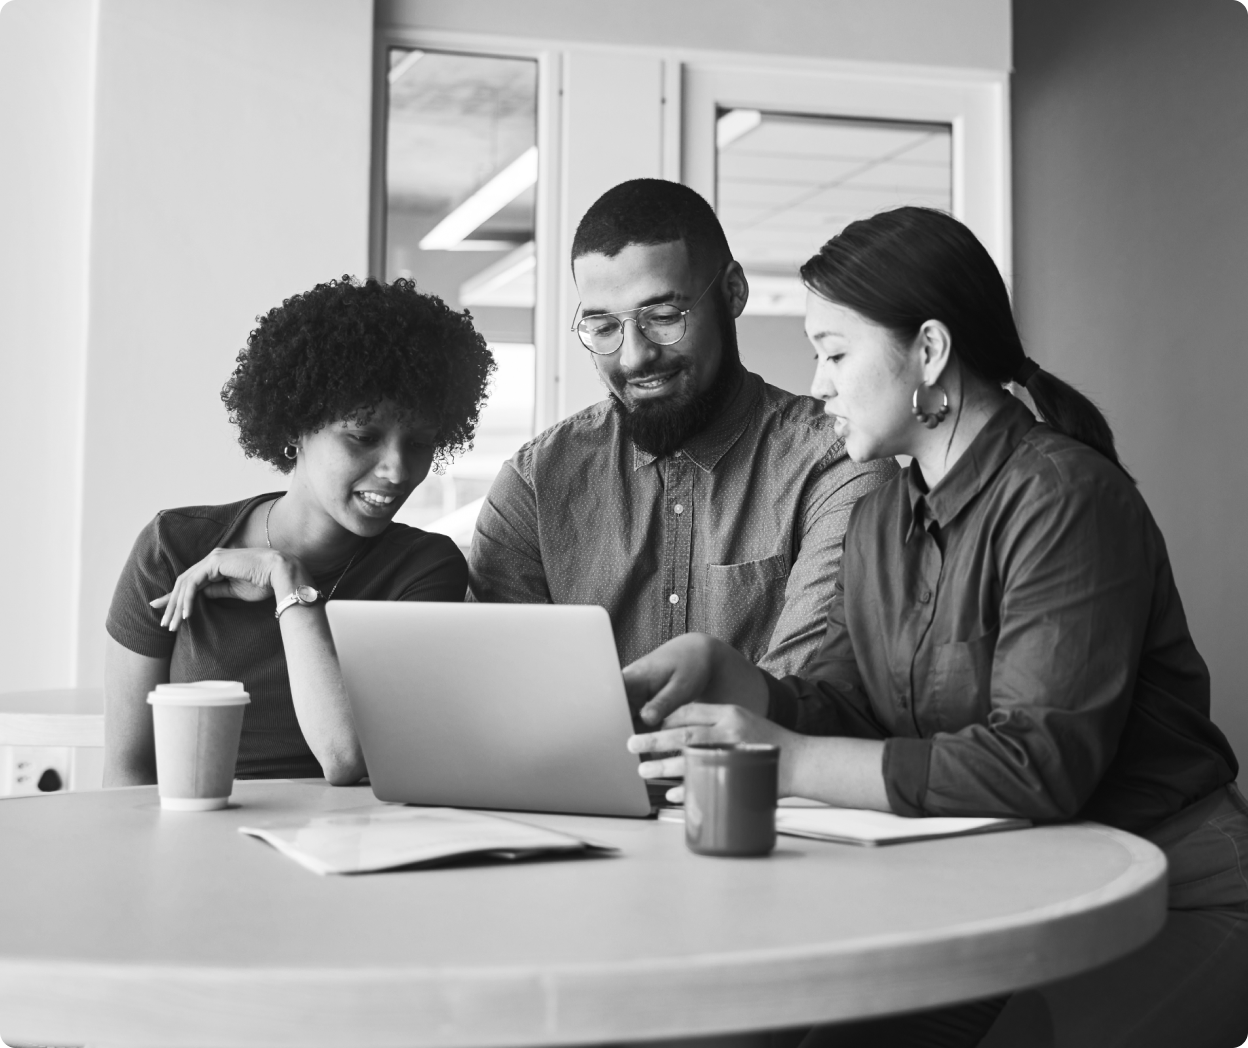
pixel 505 706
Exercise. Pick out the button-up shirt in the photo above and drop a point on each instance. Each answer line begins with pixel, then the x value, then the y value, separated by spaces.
pixel 737 534
pixel 1016 635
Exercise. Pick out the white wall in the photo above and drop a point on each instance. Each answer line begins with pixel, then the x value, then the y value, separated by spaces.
pixel 230 169
pixel 45 123
pixel 961 33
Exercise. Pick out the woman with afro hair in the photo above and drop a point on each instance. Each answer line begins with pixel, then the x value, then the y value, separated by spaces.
pixel 352 390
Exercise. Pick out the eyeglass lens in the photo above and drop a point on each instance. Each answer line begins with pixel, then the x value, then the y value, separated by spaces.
pixel 662 324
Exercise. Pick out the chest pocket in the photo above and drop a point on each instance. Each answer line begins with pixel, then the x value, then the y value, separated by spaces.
pixel 743 601
pixel 960 684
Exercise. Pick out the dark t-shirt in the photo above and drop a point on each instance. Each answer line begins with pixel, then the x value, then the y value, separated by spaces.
pixel 240 640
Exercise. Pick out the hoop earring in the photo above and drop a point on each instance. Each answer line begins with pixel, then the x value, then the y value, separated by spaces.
pixel 291 451
pixel 931 419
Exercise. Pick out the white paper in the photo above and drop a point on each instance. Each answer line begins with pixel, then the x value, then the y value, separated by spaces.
pixel 799 817
pixel 360 840
pixel 860 826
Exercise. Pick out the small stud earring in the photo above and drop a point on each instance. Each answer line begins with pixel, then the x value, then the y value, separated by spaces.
pixel 931 418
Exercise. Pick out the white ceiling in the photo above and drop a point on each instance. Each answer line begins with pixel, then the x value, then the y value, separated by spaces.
pixel 793 182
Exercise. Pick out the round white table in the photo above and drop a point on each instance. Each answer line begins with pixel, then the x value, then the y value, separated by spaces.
pixel 126 925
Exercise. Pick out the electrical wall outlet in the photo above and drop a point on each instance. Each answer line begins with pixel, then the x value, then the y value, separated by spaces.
pixel 34 769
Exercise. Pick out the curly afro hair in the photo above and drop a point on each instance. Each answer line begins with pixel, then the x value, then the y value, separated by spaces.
pixel 340 349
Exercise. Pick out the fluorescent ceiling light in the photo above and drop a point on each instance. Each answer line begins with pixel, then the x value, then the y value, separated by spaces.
pixel 400 68
pixel 511 281
pixel 734 124
pixel 483 245
pixel 486 202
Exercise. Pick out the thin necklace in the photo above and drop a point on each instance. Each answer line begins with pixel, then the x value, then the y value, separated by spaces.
pixel 268 542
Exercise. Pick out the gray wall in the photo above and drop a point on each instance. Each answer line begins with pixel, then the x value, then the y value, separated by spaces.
pixel 1131 269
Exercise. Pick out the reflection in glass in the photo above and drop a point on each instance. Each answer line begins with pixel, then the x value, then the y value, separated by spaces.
pixel 461 177
pixel 786 184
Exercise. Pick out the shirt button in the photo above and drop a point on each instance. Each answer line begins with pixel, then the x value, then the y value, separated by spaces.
pixel 678 509
pixel 674 598
pixel 925 596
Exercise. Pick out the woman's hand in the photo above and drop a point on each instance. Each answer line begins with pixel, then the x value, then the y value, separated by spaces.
pixel 698 689
pixel 245 574
pixel 703 722
pixel 693 667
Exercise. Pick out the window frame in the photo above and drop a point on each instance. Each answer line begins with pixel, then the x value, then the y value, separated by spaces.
pixel 549 150
pixel 691 85
pixel 974 103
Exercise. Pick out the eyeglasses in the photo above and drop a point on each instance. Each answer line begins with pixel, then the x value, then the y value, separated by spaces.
pixel 663 324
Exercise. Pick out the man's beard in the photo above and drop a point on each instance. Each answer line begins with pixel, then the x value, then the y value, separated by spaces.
pixel 663 426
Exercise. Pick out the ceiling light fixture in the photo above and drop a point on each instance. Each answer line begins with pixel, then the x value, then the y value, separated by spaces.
pixel 486 202
pixel 734 124
pixel 508 282
pixel 400 68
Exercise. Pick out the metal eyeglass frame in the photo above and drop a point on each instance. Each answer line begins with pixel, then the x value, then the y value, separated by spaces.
pixel 623 317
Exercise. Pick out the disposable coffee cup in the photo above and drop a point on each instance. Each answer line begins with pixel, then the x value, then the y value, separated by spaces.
pixel 730 798
pixel 197 727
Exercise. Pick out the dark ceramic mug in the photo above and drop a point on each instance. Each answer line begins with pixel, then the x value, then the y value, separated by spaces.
pixel 730 798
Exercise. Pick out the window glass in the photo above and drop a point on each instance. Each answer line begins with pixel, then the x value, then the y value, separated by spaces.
pixel 785 184
pixel 461 177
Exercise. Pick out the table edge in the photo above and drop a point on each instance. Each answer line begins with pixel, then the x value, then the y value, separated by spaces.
pixel 581 1003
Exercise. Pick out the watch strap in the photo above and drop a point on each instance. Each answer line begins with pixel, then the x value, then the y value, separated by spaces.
pixel 295 597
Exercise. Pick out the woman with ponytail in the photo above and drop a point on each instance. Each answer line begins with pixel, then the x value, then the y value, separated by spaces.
pixel 1006 638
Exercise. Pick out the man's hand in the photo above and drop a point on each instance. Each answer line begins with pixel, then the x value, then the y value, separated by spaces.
pixel 693 667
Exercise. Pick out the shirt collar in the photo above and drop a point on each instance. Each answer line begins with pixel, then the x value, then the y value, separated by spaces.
pixel 706 448
pixel 989 451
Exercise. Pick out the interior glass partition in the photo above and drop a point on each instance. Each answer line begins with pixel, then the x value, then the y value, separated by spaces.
pixel 785 184
pixel 461 181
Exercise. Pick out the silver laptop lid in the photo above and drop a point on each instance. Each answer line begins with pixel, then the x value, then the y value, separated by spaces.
pixel 512 706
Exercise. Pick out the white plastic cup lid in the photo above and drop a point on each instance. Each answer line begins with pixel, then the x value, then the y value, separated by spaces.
pixel 200 693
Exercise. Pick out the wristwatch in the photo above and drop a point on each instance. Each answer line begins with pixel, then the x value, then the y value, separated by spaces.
pixel 301 595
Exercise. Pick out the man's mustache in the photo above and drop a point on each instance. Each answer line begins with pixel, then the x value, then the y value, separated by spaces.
pixel 649 373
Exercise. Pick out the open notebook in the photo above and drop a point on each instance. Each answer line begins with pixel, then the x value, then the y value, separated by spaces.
pixel 799 817
pixel 363 840
pixel 859 826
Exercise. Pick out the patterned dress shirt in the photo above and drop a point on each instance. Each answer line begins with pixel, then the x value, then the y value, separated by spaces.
pixel 737 534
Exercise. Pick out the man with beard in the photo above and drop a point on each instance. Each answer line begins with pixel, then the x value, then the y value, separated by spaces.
pixel 696 496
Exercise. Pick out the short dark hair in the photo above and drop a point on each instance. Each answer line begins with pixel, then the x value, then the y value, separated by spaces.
pixel 340 349
pixel 651 211
pixel 903 267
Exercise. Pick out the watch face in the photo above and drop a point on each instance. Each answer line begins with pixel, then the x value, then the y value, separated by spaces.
pixel 306 594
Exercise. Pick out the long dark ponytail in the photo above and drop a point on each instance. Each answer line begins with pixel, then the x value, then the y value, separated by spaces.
pixel 904 267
